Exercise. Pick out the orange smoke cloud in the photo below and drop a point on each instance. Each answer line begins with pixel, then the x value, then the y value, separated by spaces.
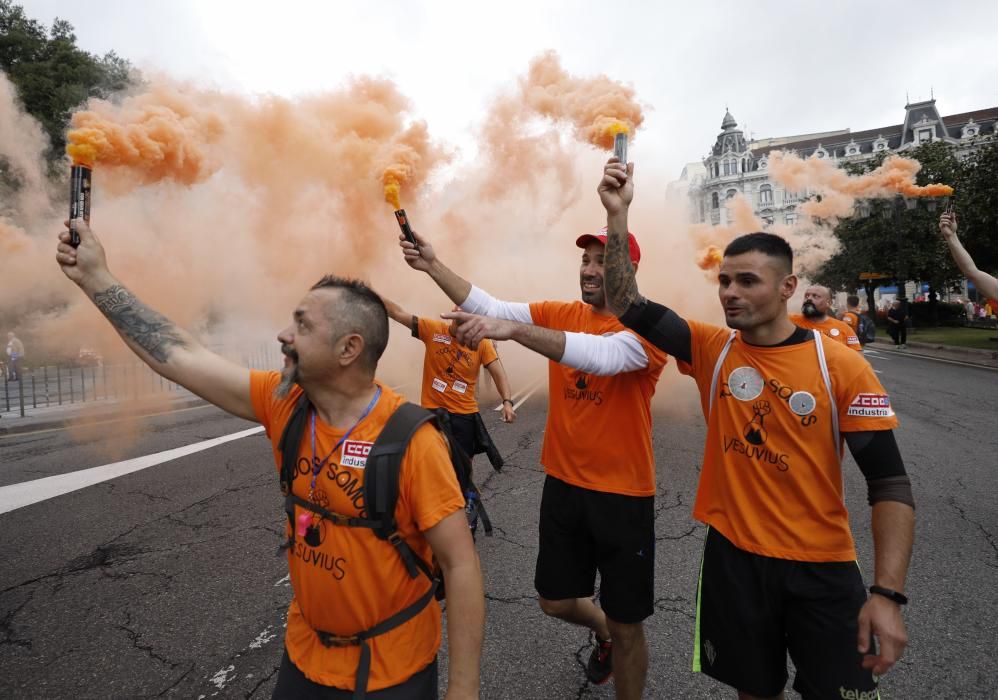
pixel 712 240
pixel 598 108
pixel 407 158
pixel 839 190
pixel 241 203
pixel 710 258
pixel 156 136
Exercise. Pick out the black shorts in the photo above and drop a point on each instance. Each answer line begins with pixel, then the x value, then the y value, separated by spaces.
pixel 582 532
pixel 463 427
pixel 752 610
pixel 292 684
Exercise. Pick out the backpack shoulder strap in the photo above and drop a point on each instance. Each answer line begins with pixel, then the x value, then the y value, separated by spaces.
pixel 289 445
pixel 290 441
pixel 381 478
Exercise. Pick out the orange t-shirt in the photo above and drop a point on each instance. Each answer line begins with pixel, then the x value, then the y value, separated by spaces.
pixel 833 328
pixel 450 370
pixel 350 580
pixel 851 319
pixel 598 433
pixel 772 480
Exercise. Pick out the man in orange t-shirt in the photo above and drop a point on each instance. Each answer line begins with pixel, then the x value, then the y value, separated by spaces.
pixel 597 507
pixel 779 571
pixel 450 378
pixel 815 316
pixel 345 579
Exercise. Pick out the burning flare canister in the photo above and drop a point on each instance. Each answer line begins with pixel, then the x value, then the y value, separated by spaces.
pixel 404 225
pixel 620 146
pixel 79 199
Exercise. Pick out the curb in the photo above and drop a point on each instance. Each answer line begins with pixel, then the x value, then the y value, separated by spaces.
pixel 971 356
pixel 14 426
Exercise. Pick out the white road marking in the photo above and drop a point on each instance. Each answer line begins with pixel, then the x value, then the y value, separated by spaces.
pixel 262 638
pixel 221 677
pixel 28 492
pixel 286 581
pixel 529 391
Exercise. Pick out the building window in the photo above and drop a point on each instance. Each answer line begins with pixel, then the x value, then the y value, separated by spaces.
pixel 790 198
pixel 730 194
pixel 924 135
pixel 791 218
pixel 714 203
pixel 765 195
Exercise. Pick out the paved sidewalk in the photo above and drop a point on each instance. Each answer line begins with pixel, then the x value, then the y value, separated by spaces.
pixel 93 411
pixel 953 353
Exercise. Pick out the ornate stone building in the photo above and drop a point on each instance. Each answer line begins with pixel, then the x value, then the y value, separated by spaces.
pixel 735 164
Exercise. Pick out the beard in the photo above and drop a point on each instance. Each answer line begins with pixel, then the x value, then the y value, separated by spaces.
pixel 595 297
pixel 289 375
pixel 289 380
pixel 811 311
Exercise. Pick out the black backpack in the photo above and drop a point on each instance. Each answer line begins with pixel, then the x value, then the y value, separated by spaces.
pixel 867 330
pixel 381 492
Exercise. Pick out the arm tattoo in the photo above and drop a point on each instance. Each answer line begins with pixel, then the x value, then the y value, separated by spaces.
pixel 148 329
pixel 621 287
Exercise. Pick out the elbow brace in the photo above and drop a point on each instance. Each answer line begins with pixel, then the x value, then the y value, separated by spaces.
pixel 879 459
pixel 662 327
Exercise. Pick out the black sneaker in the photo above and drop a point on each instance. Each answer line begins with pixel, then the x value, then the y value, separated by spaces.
pixel 600 666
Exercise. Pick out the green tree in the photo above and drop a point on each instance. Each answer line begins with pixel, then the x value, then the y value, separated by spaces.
pixel 52 75
pixel 976 202
pixel 887 236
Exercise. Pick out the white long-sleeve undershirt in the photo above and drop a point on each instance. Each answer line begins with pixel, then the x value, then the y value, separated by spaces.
pixel 609 354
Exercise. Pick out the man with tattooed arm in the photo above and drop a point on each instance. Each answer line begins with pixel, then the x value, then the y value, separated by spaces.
pixel 779 571
pixel 348 584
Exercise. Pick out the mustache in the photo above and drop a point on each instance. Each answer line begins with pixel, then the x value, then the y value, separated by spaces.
pixel 289 351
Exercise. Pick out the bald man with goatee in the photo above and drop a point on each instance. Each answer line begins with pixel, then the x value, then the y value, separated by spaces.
pixel 815 315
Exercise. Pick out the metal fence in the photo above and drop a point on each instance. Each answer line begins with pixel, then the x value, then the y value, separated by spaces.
pixel 61 385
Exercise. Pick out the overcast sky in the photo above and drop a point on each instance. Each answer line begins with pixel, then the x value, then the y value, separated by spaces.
pixel 782 67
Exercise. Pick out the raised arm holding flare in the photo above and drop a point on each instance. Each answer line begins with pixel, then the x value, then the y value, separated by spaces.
pixel 777 400
pixel 985 283
pixel 332 347
pixel 597 507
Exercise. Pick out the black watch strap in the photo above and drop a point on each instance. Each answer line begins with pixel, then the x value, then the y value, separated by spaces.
pixel 899 598
pixel 509 401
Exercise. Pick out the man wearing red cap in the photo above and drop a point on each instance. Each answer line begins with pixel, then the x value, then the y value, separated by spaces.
pixel 597 507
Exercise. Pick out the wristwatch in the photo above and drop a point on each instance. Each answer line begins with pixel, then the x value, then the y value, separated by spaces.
pixel 509 401
pixel 899 598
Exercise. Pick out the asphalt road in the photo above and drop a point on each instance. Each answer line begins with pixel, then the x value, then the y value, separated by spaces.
pixel 165 583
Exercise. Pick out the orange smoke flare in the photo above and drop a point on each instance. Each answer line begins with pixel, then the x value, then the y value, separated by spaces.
pixel 406 162
pixel 840 190
pixel 710 258
pixel 933 190
pixel 82 154
pixel 598 108
pixel 155 136
pixel 392 188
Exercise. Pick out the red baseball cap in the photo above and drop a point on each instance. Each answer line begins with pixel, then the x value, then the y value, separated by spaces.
pixel 632 242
